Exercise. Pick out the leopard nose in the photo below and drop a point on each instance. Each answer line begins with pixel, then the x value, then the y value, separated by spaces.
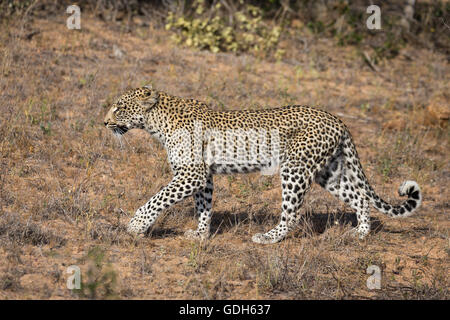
pixel 105 123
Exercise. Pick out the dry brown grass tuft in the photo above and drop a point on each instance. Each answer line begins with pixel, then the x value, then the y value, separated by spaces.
pixel 67 186
pixel 13 230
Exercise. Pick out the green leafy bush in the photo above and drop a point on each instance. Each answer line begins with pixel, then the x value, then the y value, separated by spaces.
pixel 241 31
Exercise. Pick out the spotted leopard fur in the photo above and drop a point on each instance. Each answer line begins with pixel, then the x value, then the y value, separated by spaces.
pixel 310 145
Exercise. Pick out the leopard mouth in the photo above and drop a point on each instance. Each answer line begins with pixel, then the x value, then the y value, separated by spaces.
pixel 119 130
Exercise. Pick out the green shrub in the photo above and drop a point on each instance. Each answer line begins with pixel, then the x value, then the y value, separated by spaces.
pixel 100 281
pixel 210 29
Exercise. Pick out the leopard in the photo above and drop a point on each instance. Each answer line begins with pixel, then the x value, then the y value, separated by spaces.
pixel 303 144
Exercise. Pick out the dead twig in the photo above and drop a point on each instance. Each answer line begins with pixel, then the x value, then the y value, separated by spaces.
pixel 369 61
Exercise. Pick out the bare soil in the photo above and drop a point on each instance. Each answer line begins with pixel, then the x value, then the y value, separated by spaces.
pixel 68 187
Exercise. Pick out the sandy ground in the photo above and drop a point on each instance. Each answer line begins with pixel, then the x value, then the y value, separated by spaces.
pixel 68 188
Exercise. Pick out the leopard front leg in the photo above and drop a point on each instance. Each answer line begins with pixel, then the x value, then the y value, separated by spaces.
pixel 203 205
pixel 184 183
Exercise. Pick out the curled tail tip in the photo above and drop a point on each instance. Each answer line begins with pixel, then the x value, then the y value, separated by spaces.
pixel 412 190
pixel 407 188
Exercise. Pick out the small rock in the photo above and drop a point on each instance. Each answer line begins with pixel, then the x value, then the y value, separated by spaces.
pixel 395 124
pixel 35 282
pixel 437 113
pixel 139 21
pixel 296 23
pixel 117 53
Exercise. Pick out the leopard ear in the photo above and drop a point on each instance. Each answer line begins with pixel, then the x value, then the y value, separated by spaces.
pixel 151 100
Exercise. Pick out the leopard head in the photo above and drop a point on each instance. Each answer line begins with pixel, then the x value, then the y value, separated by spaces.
pixel 131 110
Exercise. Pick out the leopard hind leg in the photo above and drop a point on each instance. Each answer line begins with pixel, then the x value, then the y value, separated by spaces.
pixel 300 165
pixel 341 179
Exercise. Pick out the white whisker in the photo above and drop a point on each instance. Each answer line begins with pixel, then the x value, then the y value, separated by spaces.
pixel 119 138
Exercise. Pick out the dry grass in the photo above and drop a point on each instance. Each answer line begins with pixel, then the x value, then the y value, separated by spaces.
pixel 68 187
